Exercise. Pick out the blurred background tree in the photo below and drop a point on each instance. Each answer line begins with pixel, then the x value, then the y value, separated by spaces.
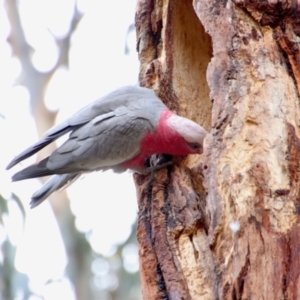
pixel 56 57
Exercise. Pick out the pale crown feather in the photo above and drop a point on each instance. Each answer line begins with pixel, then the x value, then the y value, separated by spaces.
pixel 189 130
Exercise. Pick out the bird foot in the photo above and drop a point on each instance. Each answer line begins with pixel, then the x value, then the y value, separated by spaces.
pixel 161 163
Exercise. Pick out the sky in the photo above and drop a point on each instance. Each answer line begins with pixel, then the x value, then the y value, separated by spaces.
pixel 98 65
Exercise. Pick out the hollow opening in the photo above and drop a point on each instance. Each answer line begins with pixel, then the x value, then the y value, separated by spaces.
pixel 192 52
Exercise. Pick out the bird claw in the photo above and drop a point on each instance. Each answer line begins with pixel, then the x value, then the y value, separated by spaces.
pixel 161 163
pixel 156 168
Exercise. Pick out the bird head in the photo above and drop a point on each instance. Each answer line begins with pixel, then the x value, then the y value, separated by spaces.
pixel 190 135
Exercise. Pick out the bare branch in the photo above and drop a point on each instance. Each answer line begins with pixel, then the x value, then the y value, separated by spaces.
pixel 77 248
pixel 34 80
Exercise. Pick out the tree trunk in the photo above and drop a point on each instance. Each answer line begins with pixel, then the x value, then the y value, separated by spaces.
pixel 224 225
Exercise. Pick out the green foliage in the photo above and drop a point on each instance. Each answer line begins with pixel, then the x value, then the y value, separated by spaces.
pixel 13 283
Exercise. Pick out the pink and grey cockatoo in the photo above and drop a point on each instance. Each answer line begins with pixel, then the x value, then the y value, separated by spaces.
pixel 118 131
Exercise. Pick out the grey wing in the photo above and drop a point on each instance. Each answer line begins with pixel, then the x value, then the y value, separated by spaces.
pixel 100 144
pixel 55 183
pixel 102 108
pixel 48 138
pixel 122 97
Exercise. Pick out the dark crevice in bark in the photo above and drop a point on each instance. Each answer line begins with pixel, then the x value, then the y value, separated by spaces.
pixel 285 243
pixel 196 253
pixel 161 284
pixel 162 246
pixel 156 38
pixel 286 58
pixel 293 158
pixel 290 244
pixel 242 276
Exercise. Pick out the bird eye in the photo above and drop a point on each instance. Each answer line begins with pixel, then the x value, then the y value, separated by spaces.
pixel 194 146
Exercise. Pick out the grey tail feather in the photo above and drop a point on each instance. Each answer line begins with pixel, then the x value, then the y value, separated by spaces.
pixel 38 146
pixel 36 170
pixel 55 183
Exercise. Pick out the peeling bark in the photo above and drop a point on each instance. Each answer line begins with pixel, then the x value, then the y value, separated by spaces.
pixel 233 67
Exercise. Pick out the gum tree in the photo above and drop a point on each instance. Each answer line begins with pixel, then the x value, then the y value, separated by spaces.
pixel 225 224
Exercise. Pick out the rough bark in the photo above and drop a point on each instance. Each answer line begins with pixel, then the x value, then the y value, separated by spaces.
pixel 224 225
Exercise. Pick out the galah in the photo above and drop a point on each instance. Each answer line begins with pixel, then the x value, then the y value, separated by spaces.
pixel 118 131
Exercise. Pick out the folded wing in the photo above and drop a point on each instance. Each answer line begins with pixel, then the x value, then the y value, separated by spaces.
pixel 101 109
